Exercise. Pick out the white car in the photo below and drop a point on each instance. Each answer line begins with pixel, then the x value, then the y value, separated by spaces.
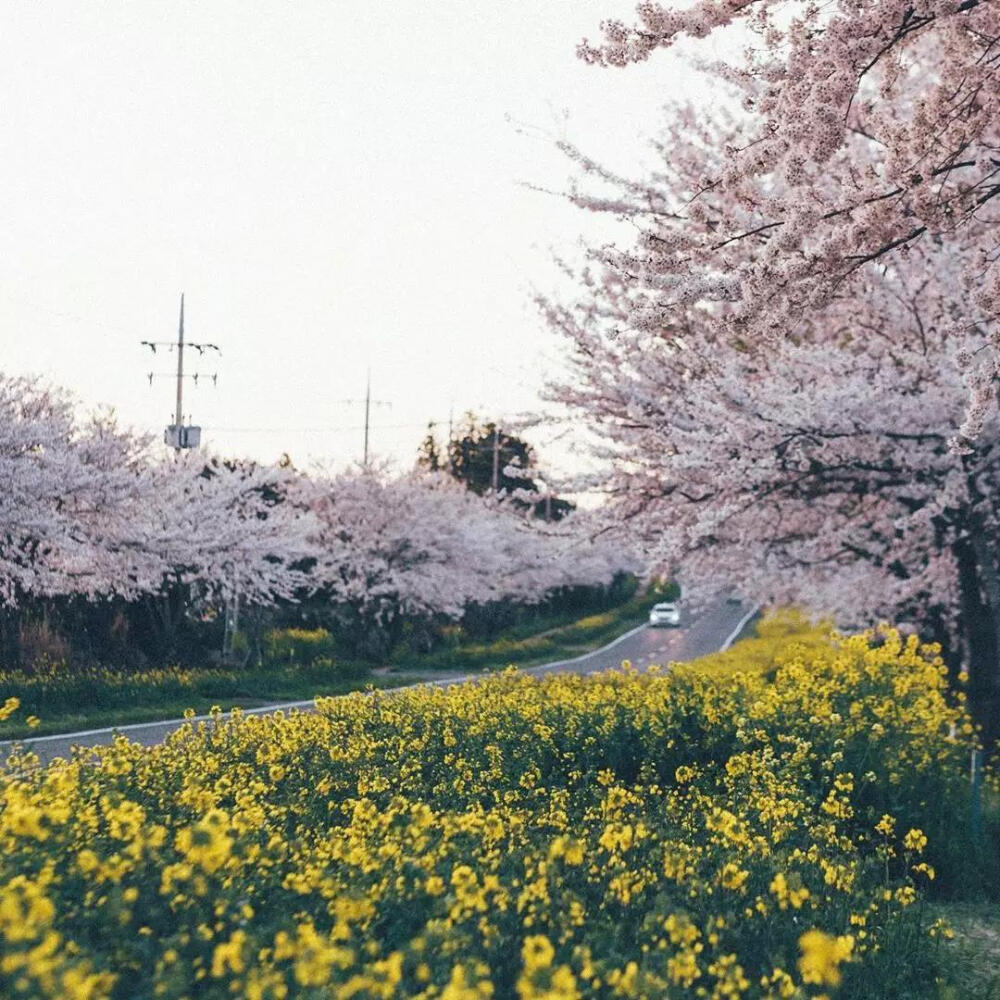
pixel 664 614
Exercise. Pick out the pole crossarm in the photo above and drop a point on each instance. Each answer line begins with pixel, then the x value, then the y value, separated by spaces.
pixel 171 345
pixel 194 376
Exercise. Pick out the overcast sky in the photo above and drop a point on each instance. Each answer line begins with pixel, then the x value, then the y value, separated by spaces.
pixel 333 185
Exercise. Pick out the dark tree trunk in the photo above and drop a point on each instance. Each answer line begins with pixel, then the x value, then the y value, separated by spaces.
pixel 10 638
pixel 164 612
pixel 980 596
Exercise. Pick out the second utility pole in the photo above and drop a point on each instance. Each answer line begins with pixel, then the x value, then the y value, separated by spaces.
pixel 368 409
pixel 369 403
pixel 496 458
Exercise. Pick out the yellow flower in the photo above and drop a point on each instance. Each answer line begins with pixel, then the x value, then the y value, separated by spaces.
pixel 732 876
pixel 229 957
pixel 886 825
pixel 822 955
pixel 460 987
pixel 207 843
pixel 537 952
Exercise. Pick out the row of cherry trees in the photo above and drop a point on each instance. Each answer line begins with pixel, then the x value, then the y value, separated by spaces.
pixel 87 516
pixel 794 364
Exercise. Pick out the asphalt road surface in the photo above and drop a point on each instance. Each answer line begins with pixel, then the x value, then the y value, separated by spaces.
pixel 642 647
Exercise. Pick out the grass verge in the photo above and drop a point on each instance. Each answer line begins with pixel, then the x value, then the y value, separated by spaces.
pixel 184 689
pixel 66 702
pixel 562 642
pixel 972 962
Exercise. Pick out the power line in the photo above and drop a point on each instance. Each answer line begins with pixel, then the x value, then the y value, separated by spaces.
pixel 328 429
pixel 345 428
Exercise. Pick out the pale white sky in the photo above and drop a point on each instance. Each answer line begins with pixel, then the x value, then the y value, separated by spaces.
pixel 332 184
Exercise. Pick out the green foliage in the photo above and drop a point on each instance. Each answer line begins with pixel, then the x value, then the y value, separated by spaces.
pixel 471 456
pixel 664 590
pixel 563 607
pixel 299 665
pixel 42 647
pixel 297 645
pixel 240 646
pixel 472 453
pixel 326 668
pixel 972 962
pixel 525 645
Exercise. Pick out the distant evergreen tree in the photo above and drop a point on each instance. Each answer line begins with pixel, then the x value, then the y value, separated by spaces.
pixel 428 455
pixel 469 458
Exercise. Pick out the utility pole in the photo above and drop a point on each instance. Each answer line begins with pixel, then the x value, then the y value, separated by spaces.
pixel 177 435
pixel 451 431
pixel 368 404
pixel 368 410
pixel 496 459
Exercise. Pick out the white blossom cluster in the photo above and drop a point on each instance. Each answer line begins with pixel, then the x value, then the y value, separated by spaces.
pixel 86 509
pixel 794 365
pixel 870 126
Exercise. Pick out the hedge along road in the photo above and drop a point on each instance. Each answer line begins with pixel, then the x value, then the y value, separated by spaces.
pixel 713 629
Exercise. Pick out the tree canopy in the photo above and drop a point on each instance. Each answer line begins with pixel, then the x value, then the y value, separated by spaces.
pixel 794 365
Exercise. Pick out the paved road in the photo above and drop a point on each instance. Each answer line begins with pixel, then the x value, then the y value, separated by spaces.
pixel 643 646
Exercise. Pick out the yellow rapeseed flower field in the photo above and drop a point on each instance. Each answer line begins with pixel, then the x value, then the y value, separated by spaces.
pixel 671 834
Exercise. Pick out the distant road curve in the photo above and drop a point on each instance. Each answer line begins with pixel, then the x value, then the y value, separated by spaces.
pixel 715 628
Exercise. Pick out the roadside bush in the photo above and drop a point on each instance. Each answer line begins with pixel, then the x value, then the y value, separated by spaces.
pixel 55 694
pixel 586 627
pixel 502 651
pixel 297 645
pixel 486 621
pixel 42 648
pixel 554 643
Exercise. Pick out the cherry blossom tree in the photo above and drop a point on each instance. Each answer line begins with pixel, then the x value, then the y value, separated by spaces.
pixel 869 128
pixel 87 513
pixel 818 473
pixel 211 531
pixel 393 547
pixel 91 517
pixel 421 547
pixel 793 366
pixel 69 486
pixel 817 446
